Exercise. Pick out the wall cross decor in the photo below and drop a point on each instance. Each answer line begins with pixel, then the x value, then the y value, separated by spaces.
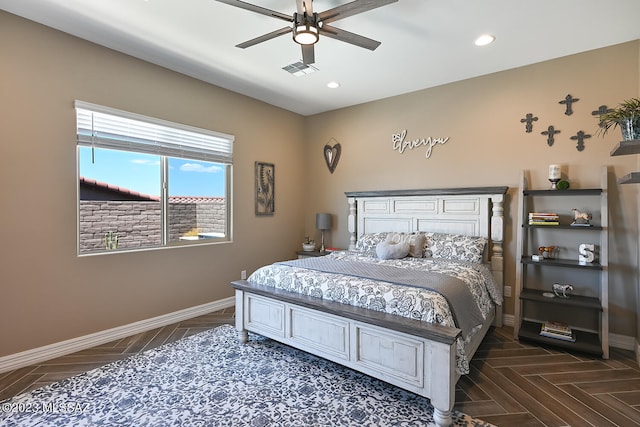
pixel 332 154
pixel 600 111
pixel 568 101
pixel 580 137
pixel 550 132
pixel 528 120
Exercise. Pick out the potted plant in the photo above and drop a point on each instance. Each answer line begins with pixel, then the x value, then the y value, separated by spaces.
pixel 308 245
pixel 626 116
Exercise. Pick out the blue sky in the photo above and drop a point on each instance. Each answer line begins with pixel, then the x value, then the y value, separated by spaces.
pixel 141 173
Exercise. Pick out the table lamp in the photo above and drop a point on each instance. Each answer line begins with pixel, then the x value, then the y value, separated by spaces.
pixel 323 222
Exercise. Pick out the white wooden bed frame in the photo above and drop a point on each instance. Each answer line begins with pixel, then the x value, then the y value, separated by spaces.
pixel 413 355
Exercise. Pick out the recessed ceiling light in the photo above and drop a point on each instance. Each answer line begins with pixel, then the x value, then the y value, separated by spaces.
pixel 333 85
pixel 484 40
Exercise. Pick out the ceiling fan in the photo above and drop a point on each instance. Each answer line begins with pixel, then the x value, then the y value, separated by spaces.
pixel 307 26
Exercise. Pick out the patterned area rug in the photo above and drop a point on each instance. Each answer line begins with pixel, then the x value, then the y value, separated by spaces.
pixel 210 379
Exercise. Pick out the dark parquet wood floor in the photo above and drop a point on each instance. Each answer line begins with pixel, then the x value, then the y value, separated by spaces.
pixel 510 384
pixel 517 384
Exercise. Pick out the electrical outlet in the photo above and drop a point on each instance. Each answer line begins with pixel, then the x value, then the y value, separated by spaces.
pixel 243 274
pixel 507 291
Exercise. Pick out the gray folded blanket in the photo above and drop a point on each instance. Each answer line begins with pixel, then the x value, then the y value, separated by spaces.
pixel 466 312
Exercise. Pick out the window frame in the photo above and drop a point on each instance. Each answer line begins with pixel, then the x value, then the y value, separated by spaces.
pixel 221 154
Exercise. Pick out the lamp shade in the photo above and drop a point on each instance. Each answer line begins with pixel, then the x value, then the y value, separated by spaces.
pixel 323 221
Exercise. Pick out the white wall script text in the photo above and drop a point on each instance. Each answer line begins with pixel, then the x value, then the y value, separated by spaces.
pixel 400 144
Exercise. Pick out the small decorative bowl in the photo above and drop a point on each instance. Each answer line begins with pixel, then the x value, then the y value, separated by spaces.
pixel 308 247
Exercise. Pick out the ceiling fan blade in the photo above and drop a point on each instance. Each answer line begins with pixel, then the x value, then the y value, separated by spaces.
pixel 305 6
pixel 348 37
pixel 265 37
pixel 350 9
pixel 308 54
pixel 257 9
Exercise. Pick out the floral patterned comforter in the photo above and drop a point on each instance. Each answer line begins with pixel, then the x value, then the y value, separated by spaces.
pixel 405 301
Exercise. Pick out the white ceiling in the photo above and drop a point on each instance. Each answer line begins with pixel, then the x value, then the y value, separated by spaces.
pixel 425 43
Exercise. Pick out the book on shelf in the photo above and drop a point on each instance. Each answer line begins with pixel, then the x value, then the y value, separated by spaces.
pixel 543 215
pixel 543 218
pixel 558 327
pixel 557 330
pixel 563 337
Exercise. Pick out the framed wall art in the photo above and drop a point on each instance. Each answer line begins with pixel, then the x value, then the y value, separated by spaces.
pixel 265 188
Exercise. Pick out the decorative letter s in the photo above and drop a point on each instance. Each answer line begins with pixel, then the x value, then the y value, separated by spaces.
pixel 585 251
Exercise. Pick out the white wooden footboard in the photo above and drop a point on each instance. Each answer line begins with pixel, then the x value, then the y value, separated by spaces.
pixel 407 353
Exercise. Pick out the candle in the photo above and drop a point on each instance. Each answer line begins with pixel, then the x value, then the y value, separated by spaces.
pixel 554 171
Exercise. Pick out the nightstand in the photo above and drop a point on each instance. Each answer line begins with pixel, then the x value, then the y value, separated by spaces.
pixel 309 254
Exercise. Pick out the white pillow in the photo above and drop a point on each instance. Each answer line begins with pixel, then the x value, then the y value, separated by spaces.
pixel 395 246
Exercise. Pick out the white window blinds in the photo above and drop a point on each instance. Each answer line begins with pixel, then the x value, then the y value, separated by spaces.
pixel 105 127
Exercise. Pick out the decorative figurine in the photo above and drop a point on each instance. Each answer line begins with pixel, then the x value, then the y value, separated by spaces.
pixel 562 291
pixel 547 252
pixel 581 218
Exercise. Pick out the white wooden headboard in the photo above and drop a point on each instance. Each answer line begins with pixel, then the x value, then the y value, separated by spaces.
pixel 477 211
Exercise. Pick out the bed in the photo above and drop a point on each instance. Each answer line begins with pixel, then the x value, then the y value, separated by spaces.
pixel 372 313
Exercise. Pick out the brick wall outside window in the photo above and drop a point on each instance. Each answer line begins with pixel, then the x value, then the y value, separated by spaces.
pixel 137 223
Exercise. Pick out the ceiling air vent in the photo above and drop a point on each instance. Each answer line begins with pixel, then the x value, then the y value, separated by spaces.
pixel 300 69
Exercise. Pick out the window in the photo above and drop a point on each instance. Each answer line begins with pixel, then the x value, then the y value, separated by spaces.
pixel 148 183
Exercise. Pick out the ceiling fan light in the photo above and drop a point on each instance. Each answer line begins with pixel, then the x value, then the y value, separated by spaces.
pixel 305 34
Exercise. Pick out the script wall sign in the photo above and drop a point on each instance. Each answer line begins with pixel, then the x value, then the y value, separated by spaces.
pixel 400 143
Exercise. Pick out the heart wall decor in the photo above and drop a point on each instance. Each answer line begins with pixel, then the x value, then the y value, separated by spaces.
pixel 332 154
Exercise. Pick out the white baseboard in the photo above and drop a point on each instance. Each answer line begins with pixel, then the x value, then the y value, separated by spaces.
pixel 508 319
pixel 624 342
pixel 51 351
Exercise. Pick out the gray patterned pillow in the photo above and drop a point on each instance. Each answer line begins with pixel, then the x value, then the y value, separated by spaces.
pixel 455 246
